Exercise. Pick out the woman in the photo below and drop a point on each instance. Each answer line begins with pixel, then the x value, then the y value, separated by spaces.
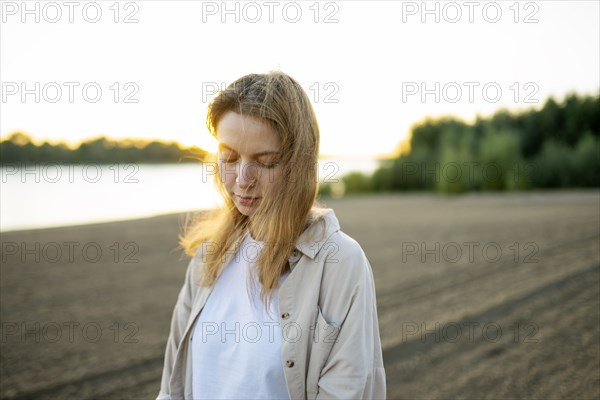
pixel 277 301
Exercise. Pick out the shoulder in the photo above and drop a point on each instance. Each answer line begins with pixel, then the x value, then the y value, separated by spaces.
pixel 347 278
pixel 345 264
pixel 341 245
pixel 195 270
pixel 332 245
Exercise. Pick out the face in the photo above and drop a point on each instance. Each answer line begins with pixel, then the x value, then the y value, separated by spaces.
pixel 249 160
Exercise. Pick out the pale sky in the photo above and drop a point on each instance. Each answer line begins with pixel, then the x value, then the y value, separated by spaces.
pixel 364 69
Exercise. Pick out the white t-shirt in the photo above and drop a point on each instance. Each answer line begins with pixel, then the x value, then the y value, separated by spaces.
pixel 236 345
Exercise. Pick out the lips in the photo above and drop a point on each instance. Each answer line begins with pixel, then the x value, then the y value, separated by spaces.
pixel 247 200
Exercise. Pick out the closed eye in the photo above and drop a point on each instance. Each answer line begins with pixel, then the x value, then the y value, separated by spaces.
pixel 267 165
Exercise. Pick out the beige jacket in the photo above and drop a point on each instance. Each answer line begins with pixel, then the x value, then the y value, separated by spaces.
pixel 327 307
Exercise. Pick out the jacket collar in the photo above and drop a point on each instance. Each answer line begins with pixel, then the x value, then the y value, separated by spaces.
pixel 323 223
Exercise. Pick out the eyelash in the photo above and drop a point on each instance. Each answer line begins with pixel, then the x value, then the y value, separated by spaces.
pixel 267 166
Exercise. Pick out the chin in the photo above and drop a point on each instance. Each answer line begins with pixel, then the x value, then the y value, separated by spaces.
pixel 245 210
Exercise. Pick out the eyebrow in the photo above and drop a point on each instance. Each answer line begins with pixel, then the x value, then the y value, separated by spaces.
pixel 262 153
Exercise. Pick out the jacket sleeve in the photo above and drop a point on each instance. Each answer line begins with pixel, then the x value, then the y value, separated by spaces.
pixel 354 368
pixel 179 320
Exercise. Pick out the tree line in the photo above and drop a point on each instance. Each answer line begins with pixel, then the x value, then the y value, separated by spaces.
pixel 19 148
pixel 556 146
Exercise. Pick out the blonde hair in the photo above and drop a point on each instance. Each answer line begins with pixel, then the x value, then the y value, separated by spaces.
pixel 279 101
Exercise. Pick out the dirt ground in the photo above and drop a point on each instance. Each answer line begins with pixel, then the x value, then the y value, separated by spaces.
pixel 480 296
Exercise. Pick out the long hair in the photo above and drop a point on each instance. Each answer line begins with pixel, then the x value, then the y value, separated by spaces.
pixel 279 101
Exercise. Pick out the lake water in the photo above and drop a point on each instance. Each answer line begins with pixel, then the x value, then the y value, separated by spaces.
pixel 40 196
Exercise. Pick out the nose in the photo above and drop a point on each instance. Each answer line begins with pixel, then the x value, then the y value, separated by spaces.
pixel 247 174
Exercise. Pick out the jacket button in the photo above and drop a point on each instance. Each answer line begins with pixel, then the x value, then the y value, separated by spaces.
pixel 289 363
pixel 285 315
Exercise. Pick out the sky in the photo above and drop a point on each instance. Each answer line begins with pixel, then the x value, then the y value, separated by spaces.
pixel 147 69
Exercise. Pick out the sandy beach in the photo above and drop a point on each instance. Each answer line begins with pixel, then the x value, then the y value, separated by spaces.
pixel 480 296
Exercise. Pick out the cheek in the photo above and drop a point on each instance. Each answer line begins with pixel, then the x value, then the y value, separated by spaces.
pixel 271 180
pixel 225 175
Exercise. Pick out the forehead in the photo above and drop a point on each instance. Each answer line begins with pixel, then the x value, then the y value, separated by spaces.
pixel 246 134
